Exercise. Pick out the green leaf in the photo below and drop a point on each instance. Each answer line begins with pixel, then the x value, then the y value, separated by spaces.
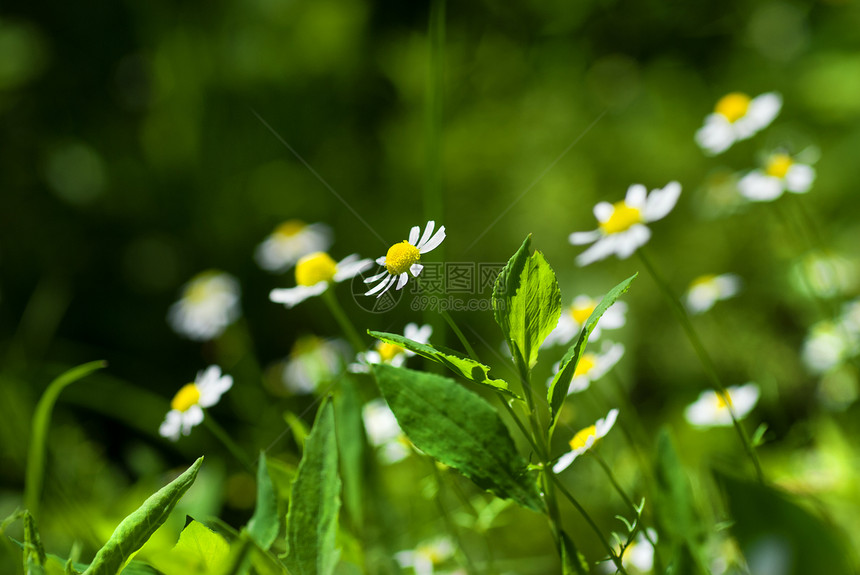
pixel 314 502
pixel 351 446
pixel 772 528
pixel 264 524
pixel 34 553
pixel 526 303
pixel 460 429
pixel 137 528
pixel 198 551
pixel 38 435
pixel 298 428
pixel 460 364
pixel 560 384
pixel 572 560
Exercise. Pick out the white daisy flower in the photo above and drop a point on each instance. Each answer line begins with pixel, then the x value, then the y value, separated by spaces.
pixel 427 556
pixel 638 556
pixel 592 366
pixel 574 317
pixel 383 431
pixel 312 361
pixel 622 225
pixel 290 241
pixel 186 408
pixel 737 117
pixel 209 303
pixel 401 261
pixel 712 408
pixel 829 344
pixel 315 273
pixel 389 353
pixel 706 290
pixel 585 440
pixel 781 173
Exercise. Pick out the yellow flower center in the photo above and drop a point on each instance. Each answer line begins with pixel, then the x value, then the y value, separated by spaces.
pixel 622 218
pixel 197 292
pixel 778 165
pixel 702 280
pixel 586 363
pixel 314 268
pixel 401 257
pixel 306 344
pixel 724 400
pixel 580 314
pixel 290 228
pixel 388 351
pixel 733 106
pixel 580 440
pixel 185 398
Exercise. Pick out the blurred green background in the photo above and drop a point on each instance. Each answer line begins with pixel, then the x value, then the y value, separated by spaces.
pixel 134 156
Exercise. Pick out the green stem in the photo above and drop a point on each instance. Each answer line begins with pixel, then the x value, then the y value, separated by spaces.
pixel 704 358
pixel 446 517
pixel 342 319
pixel 228 442
pixel 459 333
pixel 615 558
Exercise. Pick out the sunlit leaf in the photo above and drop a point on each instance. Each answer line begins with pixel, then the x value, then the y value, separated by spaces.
pixel 198 551
pixel 264 524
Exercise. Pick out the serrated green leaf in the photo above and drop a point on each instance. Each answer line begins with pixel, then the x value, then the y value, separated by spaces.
pixel 351 446
pixel 460 429
pixel 526 303
pixel 199 551
pixel 264 524
pixel 560 384
pixel 315 501
pixel 34 552
pixel 137 528
pixel 460 364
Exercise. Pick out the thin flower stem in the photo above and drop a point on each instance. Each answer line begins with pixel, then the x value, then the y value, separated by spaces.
pixel 446 517
pixel 342 319
pixel 228 442
pixel 459 333
pixel 704 358
pixel 615 558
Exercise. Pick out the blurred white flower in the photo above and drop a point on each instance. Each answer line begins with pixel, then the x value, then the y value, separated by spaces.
pixel 425 558
pixel 737 117
pixel 383 432
pixel 711 409
pixel 592 366
pixel 290 241
pixel 706 290
pixel 574 317
pixel 315 273
pixel 830 343
pixel 622 228
pixel 312 361
pixel 825 274
pixel 585 440
pixel 638 557
pixel 401 261
pixel 186 408
pixel 209 303
pixel 389 353
pixel 780 173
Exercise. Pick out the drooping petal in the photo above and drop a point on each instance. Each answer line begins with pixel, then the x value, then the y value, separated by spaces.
pixel 295 295
pixel 383 285
pixel 582 238
pixel 602 249
pixel 661 202
pixel 351 266
pixel 402 279
pixel 759 187
pixel 636 196
pixel 375 277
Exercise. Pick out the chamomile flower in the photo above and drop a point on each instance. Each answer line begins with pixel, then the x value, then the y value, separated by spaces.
pixel 383 431
pixel 638 557
pixel 209 303
pixel 780 173
pixel 315 272
pixel 712 408
pixel 290 241
pixel 592 366
pixel 706 290
pixel 425 558
pixel 737 117
pixel 389 353
pixel 622 228
pixel 575 315
pixel 829 344
pixel 401 261
pixel 585 440
pixel 312 361
pixel 186 408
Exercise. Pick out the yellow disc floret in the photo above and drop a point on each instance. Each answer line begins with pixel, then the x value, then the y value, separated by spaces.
pixel 580 314
pixel 580 440
pixel 703 281
pixel 623 218
pixel 401 257
pixel 290 228
pixel 724 400
pixel 388 351
pixel 587 362
pixel 185 398
pixel 778 165
pixel 733 106
pixel 315 268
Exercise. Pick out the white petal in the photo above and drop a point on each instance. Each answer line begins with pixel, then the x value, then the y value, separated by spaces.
pixel 380 261
pixel 373 278
pixel 564 462
pixel 728 285
pixel 171 426
pixel 434 241
pixel 415 269
pixel 716 136
pixel 759 187
pixel 763 109
pixel 413 235
pixel 428 231
pixel 661 202
pixel 799 178
pixel 603 211
pixel 351 266
pixel 631 240
pixel 744 398
pixel 602 248
pixel 603 426
pixel 401 281
pixel 636 196
pixel 380 286
pixel 210 394
pixel 582 238
pixel 563 332
pixel 614 317
pixel 292 296
pixel 388 285
pixel 191 417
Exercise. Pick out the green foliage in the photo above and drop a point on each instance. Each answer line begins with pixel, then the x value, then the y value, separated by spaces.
pixel 560 384
pixel 460 429
pixel 315 501
pixel 526 303
pixel 466 367
pixel 136 529
pixel 199 551
pixel 34 553
pixel 264 525
pixel 351 447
